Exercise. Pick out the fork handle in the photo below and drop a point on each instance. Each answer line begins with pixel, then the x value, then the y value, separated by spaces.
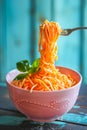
pixel 78 28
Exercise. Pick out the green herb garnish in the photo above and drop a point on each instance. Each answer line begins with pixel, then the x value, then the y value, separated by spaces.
pixel 24 66
pixel 21 76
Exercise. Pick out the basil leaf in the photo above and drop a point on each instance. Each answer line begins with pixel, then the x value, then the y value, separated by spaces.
pixel 33 70
pixel 21 76
pixel 23 65
pixel 36 63
pixel 30 71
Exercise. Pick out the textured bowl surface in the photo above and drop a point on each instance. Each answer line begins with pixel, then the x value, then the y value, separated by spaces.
pixel 44 106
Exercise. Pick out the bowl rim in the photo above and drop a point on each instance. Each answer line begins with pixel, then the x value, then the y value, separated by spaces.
pixel 35 91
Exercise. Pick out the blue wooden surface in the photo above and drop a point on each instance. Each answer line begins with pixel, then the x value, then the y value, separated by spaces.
pixel 75 119
pixel 19 29
pixel 68 17
pixel 2 41
pixel 85 42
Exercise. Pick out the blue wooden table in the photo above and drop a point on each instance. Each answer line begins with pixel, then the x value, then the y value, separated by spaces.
pixel 12 119
pixel 19 32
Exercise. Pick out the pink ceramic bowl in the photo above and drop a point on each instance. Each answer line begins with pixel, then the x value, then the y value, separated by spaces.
pixel 44 106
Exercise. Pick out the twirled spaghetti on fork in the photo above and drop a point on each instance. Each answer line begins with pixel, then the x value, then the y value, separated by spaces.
pixel 49 78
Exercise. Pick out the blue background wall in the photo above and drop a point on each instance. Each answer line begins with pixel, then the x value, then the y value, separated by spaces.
pixel 19 29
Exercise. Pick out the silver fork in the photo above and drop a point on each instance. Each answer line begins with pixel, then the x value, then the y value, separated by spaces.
pixel 66 32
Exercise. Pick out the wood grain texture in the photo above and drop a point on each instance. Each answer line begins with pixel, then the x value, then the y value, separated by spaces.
pixel 19 32
pixel 85 46
pixel 2 40
pixel 75 119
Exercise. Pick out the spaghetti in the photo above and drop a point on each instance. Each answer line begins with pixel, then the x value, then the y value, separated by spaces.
pixel 48 78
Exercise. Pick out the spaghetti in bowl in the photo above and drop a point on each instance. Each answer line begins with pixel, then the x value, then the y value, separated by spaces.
pixel 42 91
pixel 44 106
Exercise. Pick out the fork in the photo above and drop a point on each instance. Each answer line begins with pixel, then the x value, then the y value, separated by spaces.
pixel 66 32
